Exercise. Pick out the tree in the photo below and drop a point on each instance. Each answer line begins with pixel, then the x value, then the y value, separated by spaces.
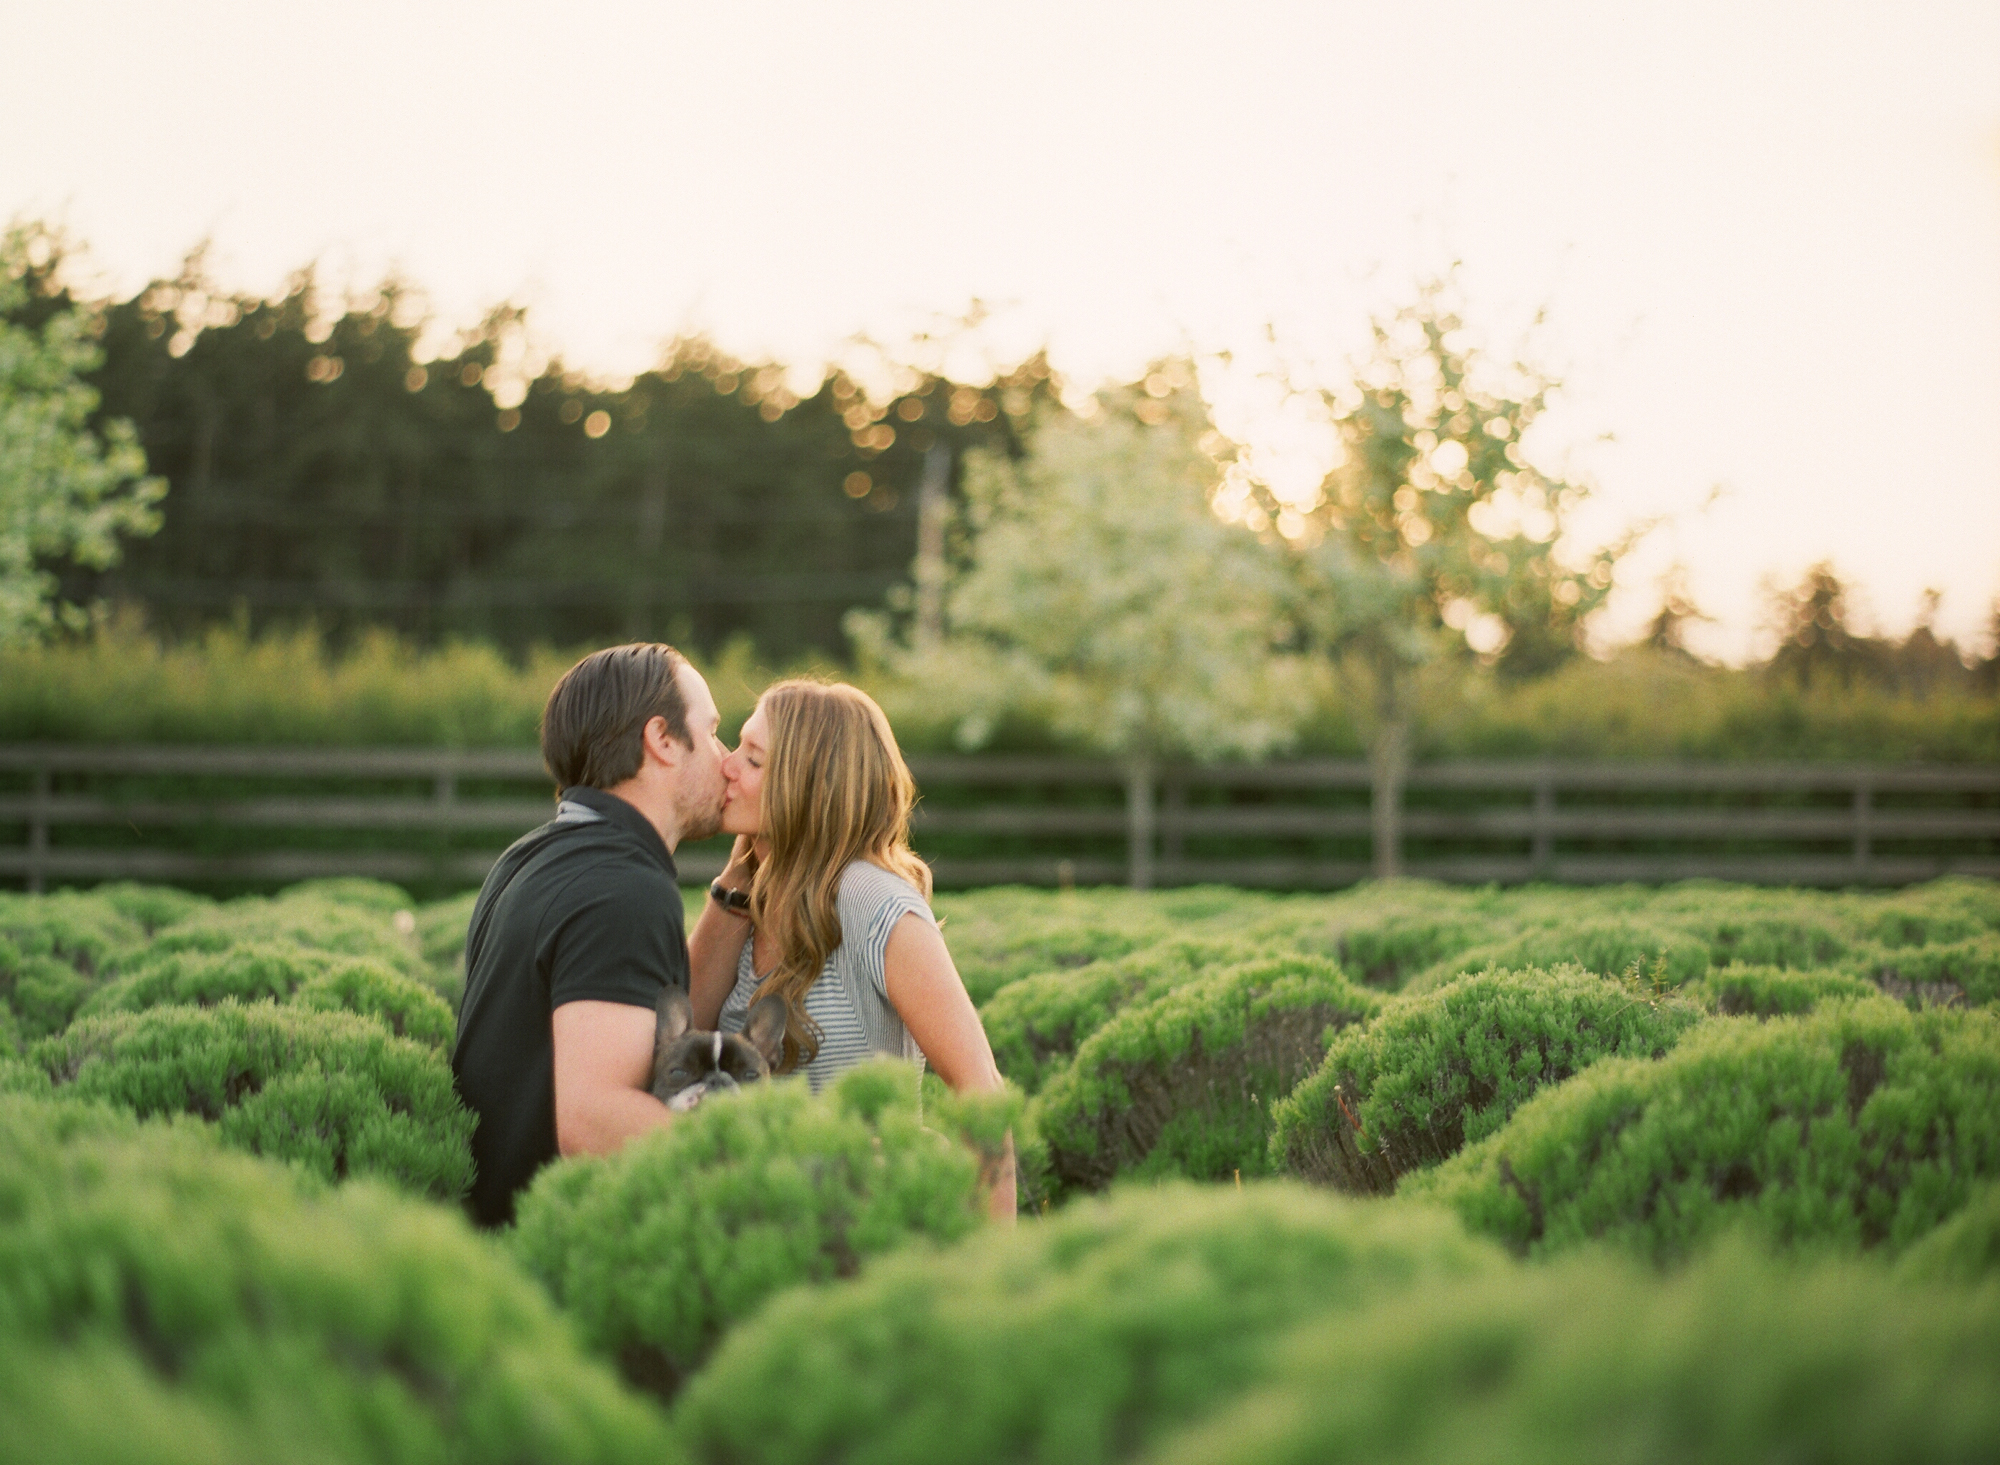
pixel 1817 638
pixel 1434 530
pixel 1096 580
pixel 1667 632
pixel 66 491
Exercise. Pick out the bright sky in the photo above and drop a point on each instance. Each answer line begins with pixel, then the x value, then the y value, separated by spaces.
pixel 1767 233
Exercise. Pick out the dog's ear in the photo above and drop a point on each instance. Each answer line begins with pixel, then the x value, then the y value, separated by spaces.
pixel 764 1027
pixel 674 1014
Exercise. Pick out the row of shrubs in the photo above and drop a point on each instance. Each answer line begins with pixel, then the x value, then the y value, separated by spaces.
pixel 1403 1021
pixel 740 1263
pixel 165 1300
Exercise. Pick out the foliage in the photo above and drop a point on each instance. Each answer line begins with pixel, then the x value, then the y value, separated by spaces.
pixel 119 684
pixel 1148 635
pixel 1183 1084
pixel 162 1301
pixel 282 972
pixel 1603 944
pixel 655 1250
pixel 1390 929
pixel 1036 1024
pixel 1435 514
pixel 1965 1250
pixel 1000 935
pixel 1004 933
pixel 332 1091
pixel 1955 971
pixel 1739 1359
pixel 152 906
pixel 53 950
pixel 290 919
pixel 338 455
pixel 1081 1339
pixel 1861 1124
pixel 1820 645
pixel 1771 991
pixel 1433 1072
pixel 68 487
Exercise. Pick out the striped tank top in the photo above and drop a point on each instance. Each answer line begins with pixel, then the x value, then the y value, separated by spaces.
pixel 871 901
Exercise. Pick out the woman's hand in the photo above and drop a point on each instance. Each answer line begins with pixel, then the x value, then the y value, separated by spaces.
pixel 744 858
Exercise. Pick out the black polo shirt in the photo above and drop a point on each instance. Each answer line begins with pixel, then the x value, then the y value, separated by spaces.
pixel 578 911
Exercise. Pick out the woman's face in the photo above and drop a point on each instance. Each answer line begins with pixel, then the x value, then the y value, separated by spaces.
pixel 743 799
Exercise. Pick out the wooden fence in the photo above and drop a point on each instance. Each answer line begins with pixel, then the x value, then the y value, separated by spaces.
pixel 437 818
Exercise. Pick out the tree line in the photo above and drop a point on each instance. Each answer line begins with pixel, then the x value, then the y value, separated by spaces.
pixel 318 470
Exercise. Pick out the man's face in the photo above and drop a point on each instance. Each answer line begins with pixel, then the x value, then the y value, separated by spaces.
pixel 699 790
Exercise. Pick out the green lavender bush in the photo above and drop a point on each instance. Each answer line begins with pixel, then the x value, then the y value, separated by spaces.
pixel 1965 1250
pixel 655 1251
pixel 1036 1024
pixel 165 1301
pixel 1184 1084
pixel 1437 1069
pixel 1772 991
pixel 1384 933
pixel 1082 1338
pixel 1966 970
pixel 54 950
pixel 1738 1360
pixel 1861 1124
pixel 334 1092
pixel 314 921
pixel 1607 945
pixel 281 972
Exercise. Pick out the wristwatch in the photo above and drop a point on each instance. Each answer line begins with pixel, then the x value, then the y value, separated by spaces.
pixel 736 902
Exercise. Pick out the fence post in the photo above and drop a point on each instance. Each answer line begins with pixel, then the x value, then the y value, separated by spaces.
pixel 1864 809
pixel 1543 849
pixel 38 830
pixel 445 787
pixel 1139 823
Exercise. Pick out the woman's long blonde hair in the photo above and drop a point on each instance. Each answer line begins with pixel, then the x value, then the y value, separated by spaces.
pixel 836 790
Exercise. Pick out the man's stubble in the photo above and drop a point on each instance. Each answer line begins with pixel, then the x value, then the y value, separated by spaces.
pixel 701 818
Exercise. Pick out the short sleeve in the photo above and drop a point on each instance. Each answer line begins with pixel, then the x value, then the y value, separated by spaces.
pixel 879 900
pixel 621 941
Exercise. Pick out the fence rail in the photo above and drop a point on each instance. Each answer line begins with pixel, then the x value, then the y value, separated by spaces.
pixel 437 817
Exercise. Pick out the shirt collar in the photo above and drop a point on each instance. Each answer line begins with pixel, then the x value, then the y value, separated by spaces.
pixel 622 815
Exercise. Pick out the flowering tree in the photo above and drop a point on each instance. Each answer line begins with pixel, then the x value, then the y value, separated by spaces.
pixel 66 491
pixel 1433 528
pixel 1098 582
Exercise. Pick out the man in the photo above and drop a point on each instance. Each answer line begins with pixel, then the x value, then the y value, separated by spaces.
pixel 578 928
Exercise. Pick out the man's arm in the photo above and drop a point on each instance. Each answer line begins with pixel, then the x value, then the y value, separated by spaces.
pixel 604 1069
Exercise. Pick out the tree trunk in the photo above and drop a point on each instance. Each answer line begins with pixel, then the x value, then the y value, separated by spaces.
pixel 933 500
pixel 1139 822
pixel 1388 763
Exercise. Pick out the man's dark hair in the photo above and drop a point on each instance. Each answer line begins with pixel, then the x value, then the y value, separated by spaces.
pixel 594 724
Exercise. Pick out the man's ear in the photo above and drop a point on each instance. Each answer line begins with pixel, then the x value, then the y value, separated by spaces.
pixel 764 1028
pixel 675 1014
pixel 661 743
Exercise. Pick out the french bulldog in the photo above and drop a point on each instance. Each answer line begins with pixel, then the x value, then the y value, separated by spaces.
pixel 689 1064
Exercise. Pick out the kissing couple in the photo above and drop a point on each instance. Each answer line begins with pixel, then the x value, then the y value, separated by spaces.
pixel 816 946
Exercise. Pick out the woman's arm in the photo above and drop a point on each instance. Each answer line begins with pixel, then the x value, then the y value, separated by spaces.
pixel 930 997
pixel 716 943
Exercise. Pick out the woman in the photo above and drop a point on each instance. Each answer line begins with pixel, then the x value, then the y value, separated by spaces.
pixel 825 905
